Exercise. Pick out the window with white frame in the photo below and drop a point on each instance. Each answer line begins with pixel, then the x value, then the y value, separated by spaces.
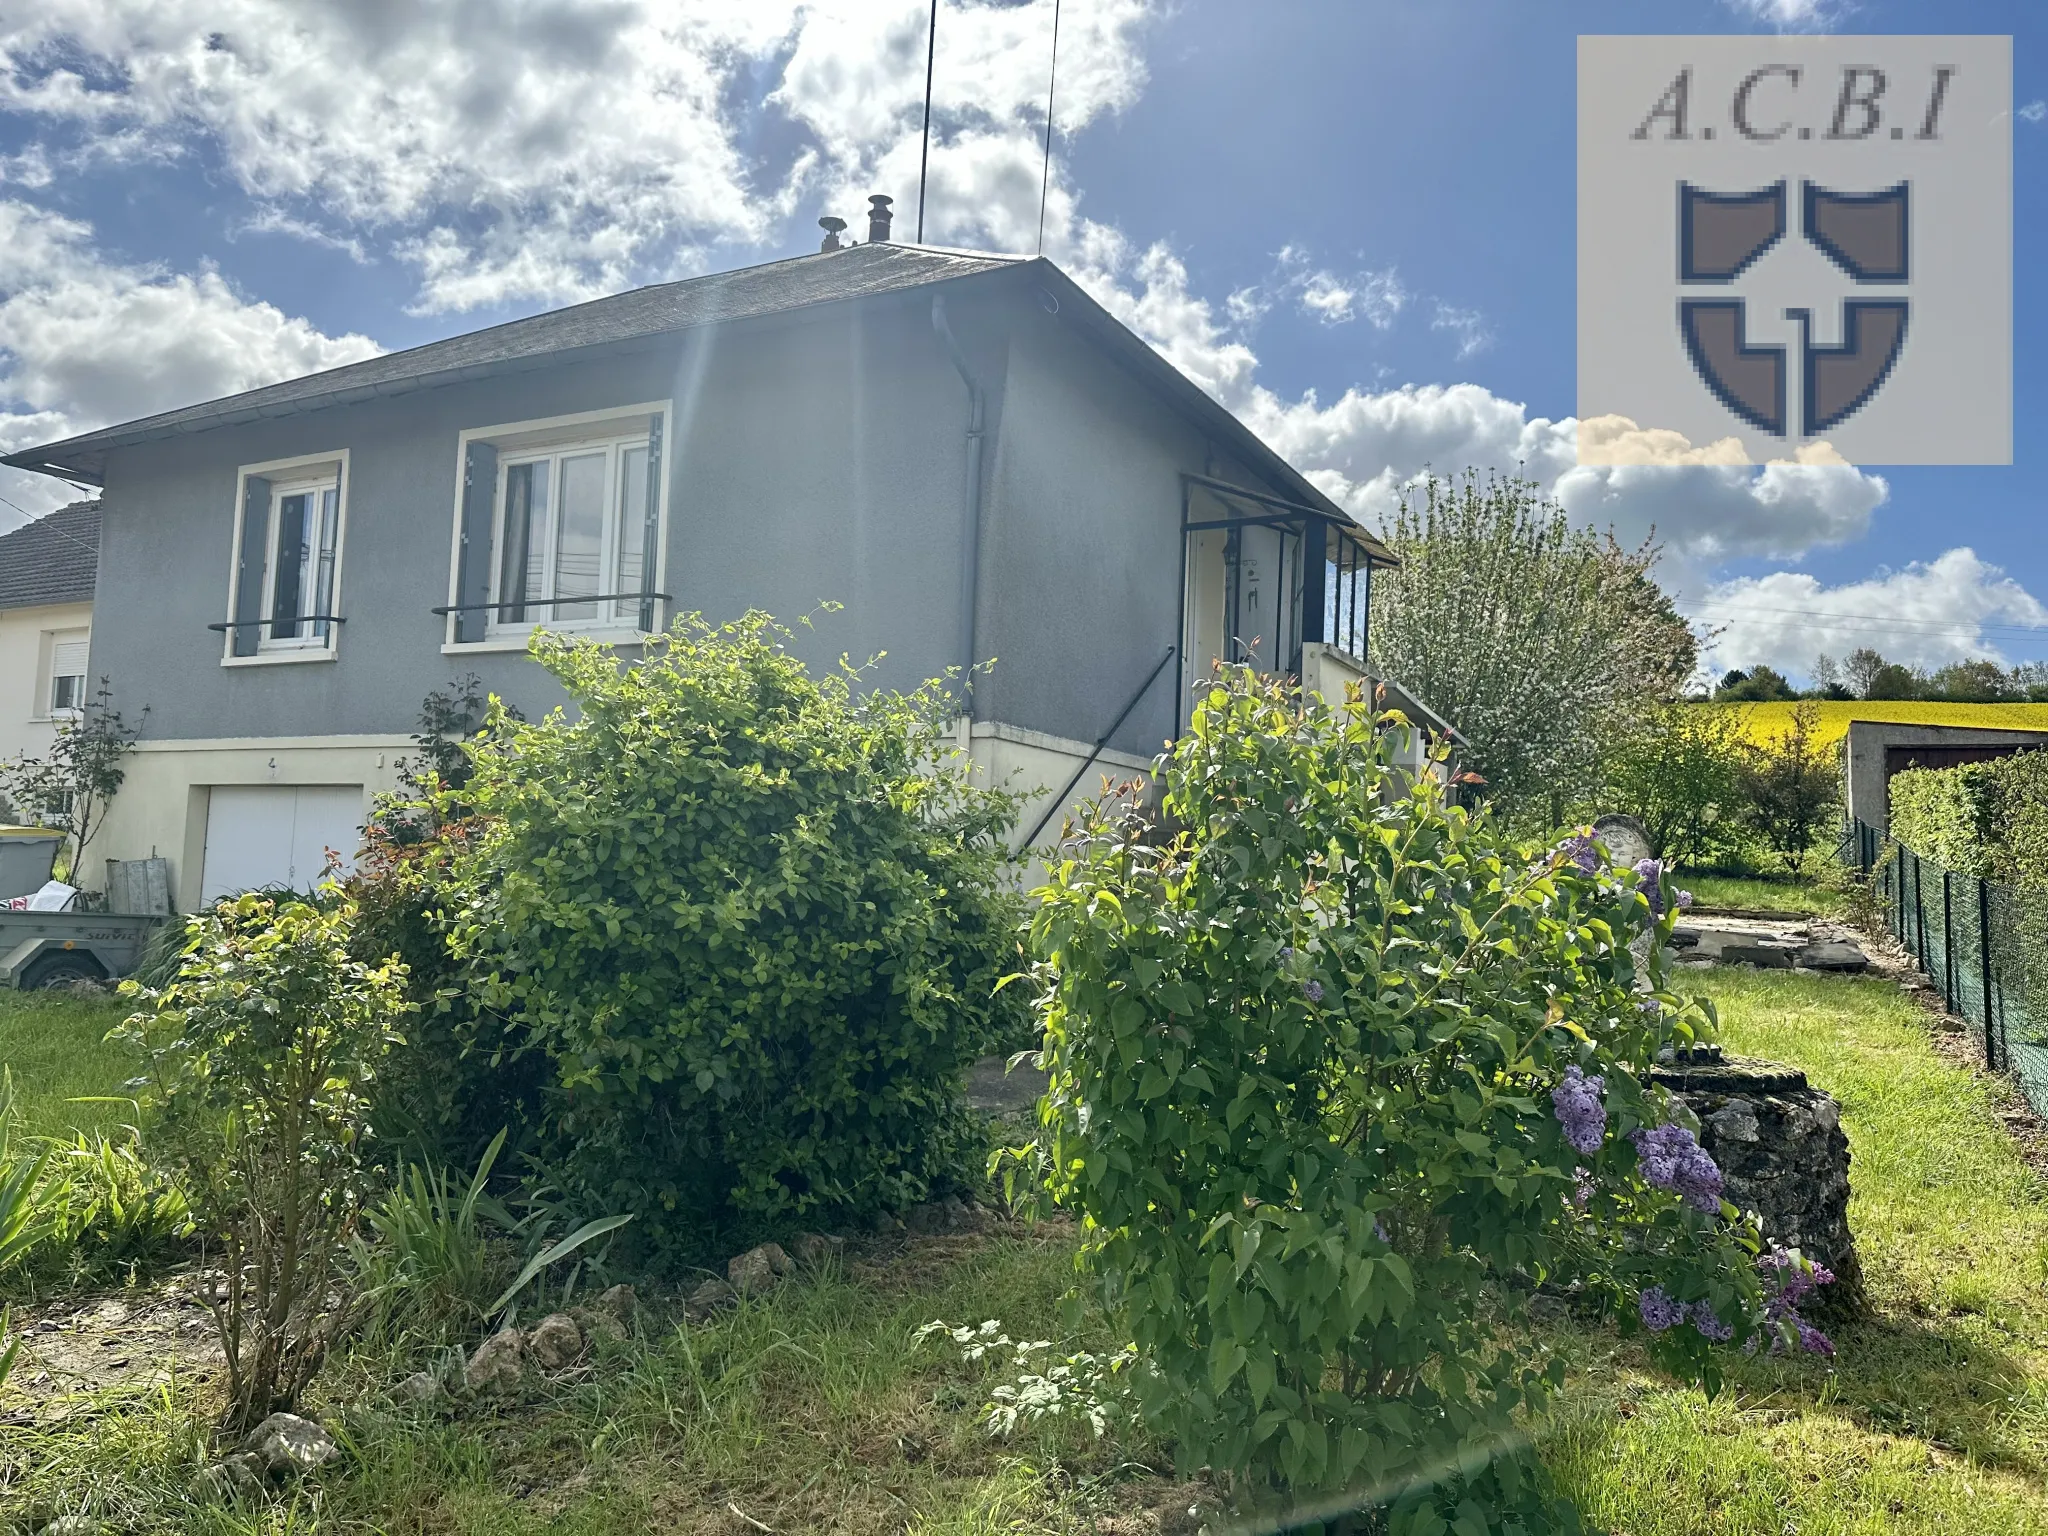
pixel 559 528
pixel 571 524
pixel 288 560
pixel 298 570
pixel 68 650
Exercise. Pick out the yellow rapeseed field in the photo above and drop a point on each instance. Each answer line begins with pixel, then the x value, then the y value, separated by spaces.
pixel 1762 722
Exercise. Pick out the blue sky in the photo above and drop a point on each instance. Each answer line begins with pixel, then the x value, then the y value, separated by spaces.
pixel 1351 220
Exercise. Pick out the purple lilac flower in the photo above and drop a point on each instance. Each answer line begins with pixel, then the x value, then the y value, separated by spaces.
pixel 1579 1110
pixel 1708 1325
pixel 1287 954
pixel 1312 990
pixel 1583 850
pixel 1684 900
pixel 1650 874
pixel 1794 1279
pixel 1671 1159
pixel 1582 1188
pixel 1659 1310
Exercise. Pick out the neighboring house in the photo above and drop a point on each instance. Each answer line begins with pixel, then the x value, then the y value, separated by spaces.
pixel 46 580
pixel 965 450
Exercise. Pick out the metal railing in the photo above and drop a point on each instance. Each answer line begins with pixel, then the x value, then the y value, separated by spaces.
pixel 1982 943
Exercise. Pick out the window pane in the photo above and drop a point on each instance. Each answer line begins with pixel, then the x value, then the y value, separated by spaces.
pixel 523 560
pixel 322 574
pixel 579 552
pixel 631 575
pixel 67 692
pixel 288 564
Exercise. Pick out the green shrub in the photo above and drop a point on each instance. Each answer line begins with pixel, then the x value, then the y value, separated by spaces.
pixel 1988 819
pixel 1679 773
pixel 1310 1066
pixel 263 1053
pixel 1790 787
pixel 750 921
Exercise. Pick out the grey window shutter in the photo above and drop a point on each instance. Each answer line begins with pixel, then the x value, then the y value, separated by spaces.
pixel 249 565
pixel 650 544
pixel 473 559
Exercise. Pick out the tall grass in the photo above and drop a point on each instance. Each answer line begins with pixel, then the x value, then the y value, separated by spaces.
pixel 55 1044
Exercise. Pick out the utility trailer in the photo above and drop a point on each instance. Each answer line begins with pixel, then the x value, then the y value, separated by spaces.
pixel 43 949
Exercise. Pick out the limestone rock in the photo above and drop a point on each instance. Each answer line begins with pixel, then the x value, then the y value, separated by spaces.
pixel 237 1475
pixel 813 1249
pixel 712 1296
pixel 290 1446
pixel 755 1272
pixel 419 1387
pixel 555 1342
pixel 497 1364
pixel 1766 957
pixel 620 1303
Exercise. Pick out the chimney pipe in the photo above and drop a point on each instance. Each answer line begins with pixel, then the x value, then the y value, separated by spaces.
pixel 831 226
pixel 878 217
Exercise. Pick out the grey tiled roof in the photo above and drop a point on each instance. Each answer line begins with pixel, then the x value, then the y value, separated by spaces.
pixel 53 559
pixel 858 272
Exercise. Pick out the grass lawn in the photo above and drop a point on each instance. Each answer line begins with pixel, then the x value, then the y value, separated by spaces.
pixel 54 1045
pixel 1753 894
pixel 810 1411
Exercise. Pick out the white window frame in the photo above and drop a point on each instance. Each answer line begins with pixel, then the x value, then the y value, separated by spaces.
pixel 46 705
pixel 288 477
pixel 555 438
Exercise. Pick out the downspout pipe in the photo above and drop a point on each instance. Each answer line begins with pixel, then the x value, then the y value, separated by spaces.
pixel 970 517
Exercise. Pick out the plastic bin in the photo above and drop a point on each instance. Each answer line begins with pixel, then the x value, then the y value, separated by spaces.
pixel 27 855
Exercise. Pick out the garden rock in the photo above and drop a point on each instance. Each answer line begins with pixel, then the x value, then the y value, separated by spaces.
pixel 238 1474
pixel 1626 840
pixel 756 1271
pixel 1832 955
pixel 555 1342
pixel 497 1364
pixel 712 1296
pixel 1768 957
pixel 620 1303
pixel 419 1387
pixel 812 1249
pixel 1781 1150
pixel 289 1446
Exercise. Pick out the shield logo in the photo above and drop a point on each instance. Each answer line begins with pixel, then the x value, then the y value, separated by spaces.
pixel 1721 235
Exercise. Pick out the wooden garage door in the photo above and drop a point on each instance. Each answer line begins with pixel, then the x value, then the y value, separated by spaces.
pixel 277 834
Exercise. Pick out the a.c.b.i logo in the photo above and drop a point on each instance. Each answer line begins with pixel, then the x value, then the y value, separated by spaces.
pixel 1866 235
pixel 1795 248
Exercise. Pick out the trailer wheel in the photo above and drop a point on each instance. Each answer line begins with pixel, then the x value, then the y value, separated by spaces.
pixel 62 968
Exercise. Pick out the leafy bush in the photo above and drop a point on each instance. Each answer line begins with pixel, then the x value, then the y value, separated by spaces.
pixel 1336 1075
pixel 750 922
pixel 1791 786
pixel 1679 772
pixel 262 1055
pixel 1988 819
pixel 119 1215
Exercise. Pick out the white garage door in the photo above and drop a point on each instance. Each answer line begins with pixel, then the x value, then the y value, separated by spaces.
pixel 277 834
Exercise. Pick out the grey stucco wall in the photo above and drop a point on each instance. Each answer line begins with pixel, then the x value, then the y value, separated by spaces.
pixel 1867 741
pixel 815 457
pixel 1081 548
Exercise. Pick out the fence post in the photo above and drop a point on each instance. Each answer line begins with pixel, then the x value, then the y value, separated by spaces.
pixel 1919 920
pixel 1948 946
pixel 1984 969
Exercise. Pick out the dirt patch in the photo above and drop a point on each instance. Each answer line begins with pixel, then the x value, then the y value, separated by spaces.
pixel 74 1348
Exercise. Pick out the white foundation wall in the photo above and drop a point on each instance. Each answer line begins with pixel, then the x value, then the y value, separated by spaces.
pixel 161 810
pixel 162 806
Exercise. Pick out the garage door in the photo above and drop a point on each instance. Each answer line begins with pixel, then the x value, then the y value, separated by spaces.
pixel 277 834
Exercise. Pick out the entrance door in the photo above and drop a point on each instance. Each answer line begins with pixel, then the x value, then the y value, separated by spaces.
pixel 261 835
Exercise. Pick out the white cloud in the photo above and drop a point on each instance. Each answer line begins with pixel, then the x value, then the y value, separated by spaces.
pixel 85 341
pixel 1926 615
pixel 560 149
pixel 1468 325
pixel 2034 111
pixel 1793 15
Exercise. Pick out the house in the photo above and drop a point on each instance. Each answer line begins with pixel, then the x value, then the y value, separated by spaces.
pixel 965 450
pixel 46 582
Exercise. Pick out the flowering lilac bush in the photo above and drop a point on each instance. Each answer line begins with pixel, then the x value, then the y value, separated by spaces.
pixel 1332 1061
pixel 1672 1158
